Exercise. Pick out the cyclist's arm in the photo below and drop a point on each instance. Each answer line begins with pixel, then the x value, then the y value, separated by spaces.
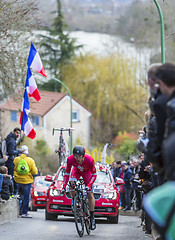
pixel 94 175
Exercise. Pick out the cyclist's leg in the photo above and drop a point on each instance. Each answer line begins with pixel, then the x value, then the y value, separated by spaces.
pixel 86 177
pixel 91 201
pixel 74 176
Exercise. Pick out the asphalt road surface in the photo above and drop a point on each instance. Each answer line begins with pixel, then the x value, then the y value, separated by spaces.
pixel 37 228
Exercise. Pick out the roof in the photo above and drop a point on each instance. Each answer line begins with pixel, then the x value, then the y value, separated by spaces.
pixel 47 102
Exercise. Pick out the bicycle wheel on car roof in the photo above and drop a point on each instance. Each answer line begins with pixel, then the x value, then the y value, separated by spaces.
pixel 78 216
pixel 87 217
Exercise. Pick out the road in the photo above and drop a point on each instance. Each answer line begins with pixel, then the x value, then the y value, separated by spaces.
pixel 64 229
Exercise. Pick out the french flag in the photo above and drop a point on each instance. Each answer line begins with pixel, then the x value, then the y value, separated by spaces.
pixel 31 86
pixel 34 61
pixel 25 122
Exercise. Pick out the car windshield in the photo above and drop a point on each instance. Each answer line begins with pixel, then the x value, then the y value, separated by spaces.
pixel 61 173
pixel 40 182
pixel 103 177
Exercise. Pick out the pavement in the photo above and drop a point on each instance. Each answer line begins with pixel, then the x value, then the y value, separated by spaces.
pixel 154 234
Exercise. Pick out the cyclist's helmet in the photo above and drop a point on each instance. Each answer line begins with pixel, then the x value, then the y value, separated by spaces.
pixel 79 150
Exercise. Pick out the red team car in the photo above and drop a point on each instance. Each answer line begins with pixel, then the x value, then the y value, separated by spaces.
pixel 105 192
pixel 39 193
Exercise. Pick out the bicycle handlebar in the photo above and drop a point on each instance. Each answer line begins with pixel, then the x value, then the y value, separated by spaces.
pixel 62 130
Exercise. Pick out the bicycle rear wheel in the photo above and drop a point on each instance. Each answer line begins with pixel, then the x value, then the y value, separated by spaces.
pixel 78 216
pixel 87 217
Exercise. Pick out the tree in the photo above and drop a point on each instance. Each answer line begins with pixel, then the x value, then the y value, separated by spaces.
pixel 59 47
pixel 126 144
pixel 109 87
pixel 16 22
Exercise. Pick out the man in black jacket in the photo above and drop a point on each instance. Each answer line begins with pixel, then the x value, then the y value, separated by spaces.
pixel 127 177
pixel 11 150
pixel 165 77
pixel 156 125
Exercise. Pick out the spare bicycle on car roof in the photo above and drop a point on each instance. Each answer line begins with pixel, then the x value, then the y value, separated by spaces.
pixel 63 150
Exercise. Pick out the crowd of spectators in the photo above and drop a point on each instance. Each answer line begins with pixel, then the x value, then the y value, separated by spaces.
pixel 157 141
pixel 132 174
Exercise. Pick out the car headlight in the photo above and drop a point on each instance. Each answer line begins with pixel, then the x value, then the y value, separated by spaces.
pixel 35 193
pixel 54 192
pixel 109 195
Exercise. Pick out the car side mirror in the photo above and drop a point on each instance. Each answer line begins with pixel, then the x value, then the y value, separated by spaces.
pixel 119 181
pixel 48 178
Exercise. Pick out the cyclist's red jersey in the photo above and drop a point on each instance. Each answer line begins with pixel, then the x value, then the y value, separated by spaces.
pixel 87 170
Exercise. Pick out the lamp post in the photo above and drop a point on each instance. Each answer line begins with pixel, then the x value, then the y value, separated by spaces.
pixel 56 79
pixel 162 32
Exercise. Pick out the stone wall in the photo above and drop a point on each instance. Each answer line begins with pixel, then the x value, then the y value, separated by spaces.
pixel 9 210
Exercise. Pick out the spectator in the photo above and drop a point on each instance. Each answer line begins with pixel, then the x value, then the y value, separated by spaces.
pixel 122 190
pixel 141 157
pixel 134 168
pixel 118 169
pixel 7 185
pixel 23 182
pixel 166 79
pixel 127 177
pixel 156 127
pixel 113 168
pixel 1 181
pixel 11 150
pixel 145 174
pixel 131 163
pixel 135 171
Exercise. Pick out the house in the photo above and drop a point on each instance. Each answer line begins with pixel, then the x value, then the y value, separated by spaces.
pixel 52 111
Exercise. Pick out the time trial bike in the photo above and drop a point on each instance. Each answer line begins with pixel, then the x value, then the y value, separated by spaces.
pixel 81 209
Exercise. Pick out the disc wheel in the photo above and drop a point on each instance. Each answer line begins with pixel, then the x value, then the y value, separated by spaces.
pixel 87 218
pixel 78 216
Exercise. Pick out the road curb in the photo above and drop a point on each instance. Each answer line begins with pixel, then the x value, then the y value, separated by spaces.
pixel 9 210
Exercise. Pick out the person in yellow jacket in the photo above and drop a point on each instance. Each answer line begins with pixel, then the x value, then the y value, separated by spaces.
pixel 23 180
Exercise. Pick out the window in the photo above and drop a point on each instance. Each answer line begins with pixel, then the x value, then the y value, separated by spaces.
pixel 13 116
pixel 34 120
pixel 75 116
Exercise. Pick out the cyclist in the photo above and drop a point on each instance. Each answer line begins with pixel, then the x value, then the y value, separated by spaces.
pixel 83 165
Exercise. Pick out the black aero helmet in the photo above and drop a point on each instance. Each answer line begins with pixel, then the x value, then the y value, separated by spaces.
pixel 79 150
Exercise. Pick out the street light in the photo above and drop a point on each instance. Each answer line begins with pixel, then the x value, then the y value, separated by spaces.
pixel 56 79
pixel 162 32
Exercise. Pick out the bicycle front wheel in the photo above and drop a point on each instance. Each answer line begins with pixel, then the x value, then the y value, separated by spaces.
pixel 78 216
pixel 87 217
